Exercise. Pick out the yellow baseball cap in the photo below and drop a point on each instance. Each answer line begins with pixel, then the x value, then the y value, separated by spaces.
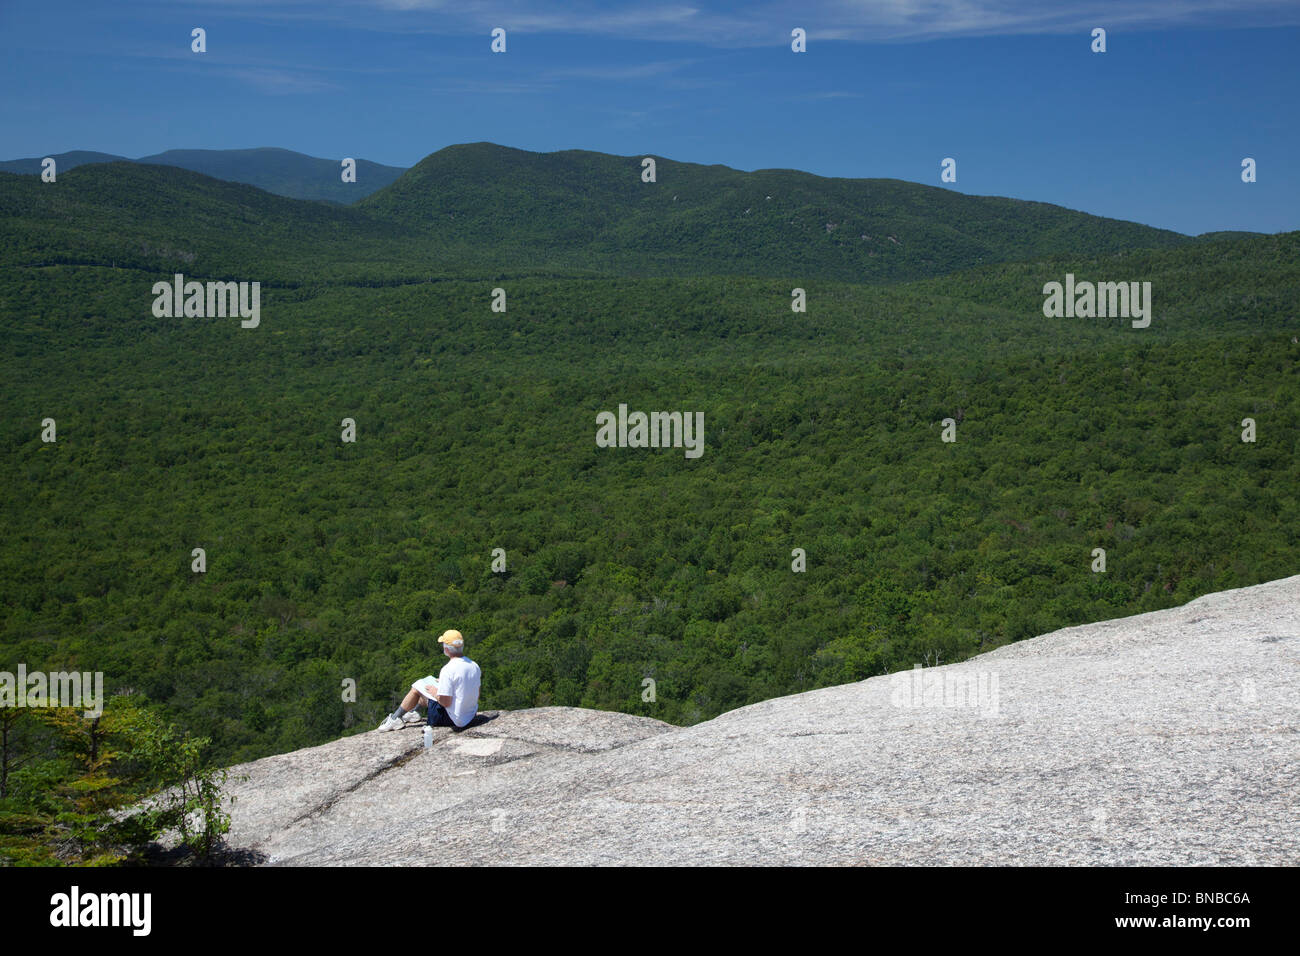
pixel 451 637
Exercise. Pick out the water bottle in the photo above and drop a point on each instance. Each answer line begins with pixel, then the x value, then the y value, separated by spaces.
pixel 428 737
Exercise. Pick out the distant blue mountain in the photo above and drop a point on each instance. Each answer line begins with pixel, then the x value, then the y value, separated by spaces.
pixel 279 171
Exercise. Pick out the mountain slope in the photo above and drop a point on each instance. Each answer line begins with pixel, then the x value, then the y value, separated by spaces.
pixel 280 171
pixel 62 162
pixel 1163 739
pixel 820 433
pixel 477 204
pixel 487 210
pixel 160 217
pixel 712 219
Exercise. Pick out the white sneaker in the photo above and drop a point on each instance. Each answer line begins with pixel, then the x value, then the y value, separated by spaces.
pixel 412 717
pixel 390 723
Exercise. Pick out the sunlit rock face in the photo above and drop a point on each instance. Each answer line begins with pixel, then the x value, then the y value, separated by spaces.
pixel 1165 738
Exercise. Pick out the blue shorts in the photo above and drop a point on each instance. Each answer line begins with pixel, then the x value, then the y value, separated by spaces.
pixel 438 716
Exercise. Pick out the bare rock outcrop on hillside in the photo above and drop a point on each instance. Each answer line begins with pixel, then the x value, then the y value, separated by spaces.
pixel 1165 738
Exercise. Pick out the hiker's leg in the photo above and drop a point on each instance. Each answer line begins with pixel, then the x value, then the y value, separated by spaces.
pixel 396 718
pixel 413 697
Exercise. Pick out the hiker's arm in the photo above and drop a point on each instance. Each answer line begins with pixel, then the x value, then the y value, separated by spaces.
pixel 449 684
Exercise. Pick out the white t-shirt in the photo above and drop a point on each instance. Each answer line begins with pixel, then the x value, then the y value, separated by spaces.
pixel 460 679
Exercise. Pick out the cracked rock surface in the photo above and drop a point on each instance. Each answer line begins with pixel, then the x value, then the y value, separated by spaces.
pixel 1168 738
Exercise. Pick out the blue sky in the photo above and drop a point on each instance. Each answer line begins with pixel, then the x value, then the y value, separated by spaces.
pixel 1153 130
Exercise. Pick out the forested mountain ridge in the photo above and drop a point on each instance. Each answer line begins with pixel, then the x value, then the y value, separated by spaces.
pixel 280 171
pixel 486 209
pixel 160 218
pixel 330 561
pixel 31 166
pixel 712 219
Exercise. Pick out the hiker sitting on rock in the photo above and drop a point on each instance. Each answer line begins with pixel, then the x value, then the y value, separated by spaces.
pixel 452 696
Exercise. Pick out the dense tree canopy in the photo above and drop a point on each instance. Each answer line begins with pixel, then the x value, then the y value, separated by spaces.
pixel 329 561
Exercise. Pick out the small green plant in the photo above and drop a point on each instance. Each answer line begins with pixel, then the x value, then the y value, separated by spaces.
pixel 192 805
pixel 98 791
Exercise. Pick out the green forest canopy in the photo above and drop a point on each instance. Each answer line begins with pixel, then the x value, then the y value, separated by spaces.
pixel 331 561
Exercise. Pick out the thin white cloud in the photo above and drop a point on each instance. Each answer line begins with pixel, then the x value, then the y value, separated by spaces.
pixel 749 23
pixel 926 19
pixel 826 95
pixel 489 87
pixel 636 71
pixel 742 23
pixel 283 79
pixel 281 82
